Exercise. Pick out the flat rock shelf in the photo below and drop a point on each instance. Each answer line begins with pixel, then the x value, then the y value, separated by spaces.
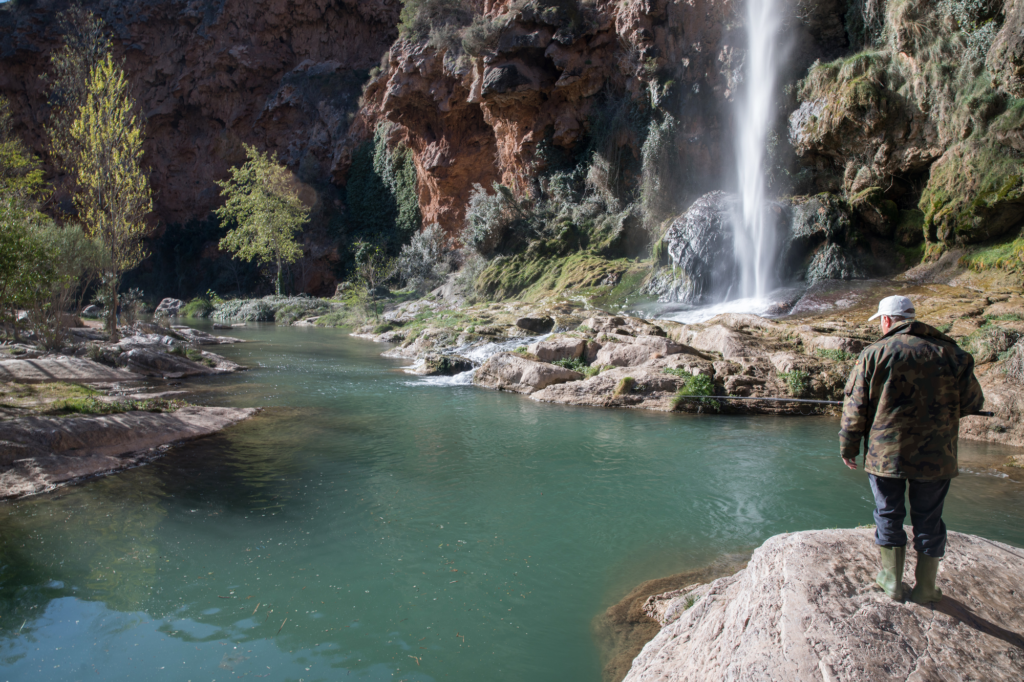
pixel 38 454
pixel 807 608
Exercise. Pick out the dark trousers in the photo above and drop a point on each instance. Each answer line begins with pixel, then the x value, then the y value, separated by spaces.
pixel 926 500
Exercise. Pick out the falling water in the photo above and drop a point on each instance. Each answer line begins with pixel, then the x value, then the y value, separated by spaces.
pixel 754 230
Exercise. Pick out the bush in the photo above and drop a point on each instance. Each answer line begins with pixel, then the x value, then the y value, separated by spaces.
pixel 624 386
pixel 575 364
pixel 835 354
pixel 420 18
pixel 197 307
pixel 695 388
pixel 493 218
pixel 989 342
pixel 1014 366
pixel 798 382
pixel 426 259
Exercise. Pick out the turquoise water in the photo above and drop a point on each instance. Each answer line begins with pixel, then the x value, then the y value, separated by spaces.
pixel 369 526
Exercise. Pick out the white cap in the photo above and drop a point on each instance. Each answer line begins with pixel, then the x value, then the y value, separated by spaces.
pixel 895 306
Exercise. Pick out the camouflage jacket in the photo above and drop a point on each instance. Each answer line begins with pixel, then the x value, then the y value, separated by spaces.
pixel 905 397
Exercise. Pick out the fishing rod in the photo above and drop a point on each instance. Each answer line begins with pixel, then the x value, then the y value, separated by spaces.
pixel 796 400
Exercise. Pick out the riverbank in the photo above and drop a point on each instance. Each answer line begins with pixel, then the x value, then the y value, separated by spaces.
pixel 742 626
pixel 103 407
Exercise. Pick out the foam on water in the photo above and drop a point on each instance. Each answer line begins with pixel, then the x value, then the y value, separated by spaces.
pixel 695 315
pixel 479 353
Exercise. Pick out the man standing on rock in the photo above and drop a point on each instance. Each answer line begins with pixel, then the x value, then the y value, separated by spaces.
pixel 905 397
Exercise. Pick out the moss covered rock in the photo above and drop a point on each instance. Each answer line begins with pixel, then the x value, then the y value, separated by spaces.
pixel 975 192
pixel 877 212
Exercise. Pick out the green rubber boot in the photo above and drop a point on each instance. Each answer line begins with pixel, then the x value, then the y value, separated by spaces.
pixel 925 591
pixel 890 578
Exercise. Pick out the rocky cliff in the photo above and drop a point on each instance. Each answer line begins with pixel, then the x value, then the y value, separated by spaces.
pixel 897 123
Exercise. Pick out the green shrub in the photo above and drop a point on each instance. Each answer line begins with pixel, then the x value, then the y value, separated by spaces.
pixel 1005 317
pixel 835 354
pixel 381 328
pixel 594 370
pixel 521 350
pixel 575 364
pixel 695 388
pixel 197 307
pixel 798 382
pixel 624 386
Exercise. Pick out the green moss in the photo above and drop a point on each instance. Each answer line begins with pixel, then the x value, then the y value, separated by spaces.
pixel 835 354
pixel 968 192
pixel 530 279
pixel 92 406
pixel 1005 254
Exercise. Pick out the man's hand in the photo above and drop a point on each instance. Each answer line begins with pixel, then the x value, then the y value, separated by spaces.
pixel 851 463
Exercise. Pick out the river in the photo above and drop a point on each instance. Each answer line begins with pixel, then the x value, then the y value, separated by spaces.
pixel 369 525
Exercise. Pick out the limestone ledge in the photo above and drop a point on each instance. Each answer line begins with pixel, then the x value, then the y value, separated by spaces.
pixel 38 454
pixel 806 608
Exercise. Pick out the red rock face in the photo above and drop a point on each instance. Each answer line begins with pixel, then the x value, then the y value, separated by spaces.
pixel 210 76
pixel 481 120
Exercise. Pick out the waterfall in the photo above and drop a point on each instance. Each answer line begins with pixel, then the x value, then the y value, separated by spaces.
pixel 754 239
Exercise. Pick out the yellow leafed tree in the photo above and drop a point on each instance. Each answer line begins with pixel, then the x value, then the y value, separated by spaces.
pixel 102 152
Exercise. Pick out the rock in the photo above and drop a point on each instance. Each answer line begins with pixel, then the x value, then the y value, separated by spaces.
pixel 727 342
pixel 437 364
pixel 652 387
pixel 39 453
pixel 700 247
pixel 841 343
pixel 92 311
pixel 511 372
pixel 623 355
pixel 831 261
pixel 660 344
pixel 201 338
pixel 537 325
pixel 155 363
pixel 1005 58
pixel 807 608
pixel 407 312
pixel 71 370
pixel 169 307
pixel 557 348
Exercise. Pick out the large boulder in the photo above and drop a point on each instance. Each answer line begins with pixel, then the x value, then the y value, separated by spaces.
pixel 807 608
pixel 512 372
pixel 623 355
pixel 169 307
pixel 537 325
pixel 556 348
pixel 72 370
pixel 700 248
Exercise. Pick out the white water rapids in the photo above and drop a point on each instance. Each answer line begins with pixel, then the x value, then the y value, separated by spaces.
pixel 754 234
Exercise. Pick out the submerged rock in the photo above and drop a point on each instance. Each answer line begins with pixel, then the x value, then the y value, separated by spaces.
pixel 807 608
pixel 437 364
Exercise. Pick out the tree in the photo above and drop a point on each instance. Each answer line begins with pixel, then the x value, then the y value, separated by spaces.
pixel 86 44
pixel 102 153
pixel 23 261
pixel 263 201
pixel 373 268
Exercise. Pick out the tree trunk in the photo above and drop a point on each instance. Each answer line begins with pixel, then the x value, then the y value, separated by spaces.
pixel 279 275
pixel 112 313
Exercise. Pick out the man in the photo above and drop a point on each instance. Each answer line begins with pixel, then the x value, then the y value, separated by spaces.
pixel 905 397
